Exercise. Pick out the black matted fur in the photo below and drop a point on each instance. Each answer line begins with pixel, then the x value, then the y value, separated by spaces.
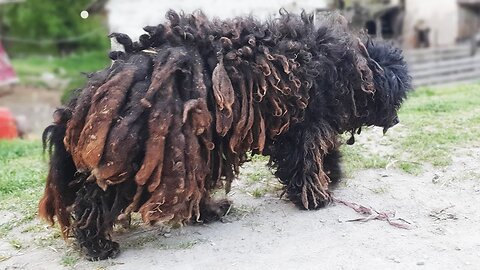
pixel 177 113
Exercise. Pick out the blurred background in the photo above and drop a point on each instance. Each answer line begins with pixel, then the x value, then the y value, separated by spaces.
pixel 47 45
pixel 425 168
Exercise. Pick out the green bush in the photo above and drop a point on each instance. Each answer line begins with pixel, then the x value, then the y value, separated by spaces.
pixel 51 26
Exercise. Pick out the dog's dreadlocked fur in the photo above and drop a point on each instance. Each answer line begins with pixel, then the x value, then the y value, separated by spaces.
pixel 178 111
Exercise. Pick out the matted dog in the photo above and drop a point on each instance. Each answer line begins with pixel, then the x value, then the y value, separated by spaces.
pixel 180 110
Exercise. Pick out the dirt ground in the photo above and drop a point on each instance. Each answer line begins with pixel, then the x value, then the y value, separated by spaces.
pixel 441 205
pixel 33 105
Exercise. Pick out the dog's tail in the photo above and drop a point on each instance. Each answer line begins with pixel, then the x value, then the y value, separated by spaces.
pixel 57 195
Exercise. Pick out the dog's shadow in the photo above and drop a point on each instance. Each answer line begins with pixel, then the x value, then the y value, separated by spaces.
pixel 245 214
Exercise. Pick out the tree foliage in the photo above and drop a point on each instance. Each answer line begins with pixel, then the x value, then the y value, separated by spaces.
pixel 40 26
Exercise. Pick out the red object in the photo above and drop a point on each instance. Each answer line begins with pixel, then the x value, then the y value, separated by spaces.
pixel 8 128
pixel 7 74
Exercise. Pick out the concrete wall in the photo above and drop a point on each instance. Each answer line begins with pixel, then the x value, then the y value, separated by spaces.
pixel 442 16
pixel 130 16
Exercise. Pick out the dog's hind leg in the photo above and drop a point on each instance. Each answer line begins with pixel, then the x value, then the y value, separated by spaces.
pixel 213 210
pixel 95 211
pixel 299 157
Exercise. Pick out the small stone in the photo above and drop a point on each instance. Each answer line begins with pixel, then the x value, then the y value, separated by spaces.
pixel 420 263
pixel 436 179
pixel 394 259
pixel 167 235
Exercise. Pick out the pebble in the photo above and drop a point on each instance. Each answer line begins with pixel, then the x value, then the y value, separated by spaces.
pixel 435 178
pixel 394 259
pixel 420 263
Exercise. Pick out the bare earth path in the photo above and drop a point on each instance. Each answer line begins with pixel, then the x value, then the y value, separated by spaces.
pixel 270 233
pixel 442 205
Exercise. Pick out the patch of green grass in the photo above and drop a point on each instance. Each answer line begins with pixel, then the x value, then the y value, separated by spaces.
pixel 259 158
pixel 33 228
pixel 180 246
pixel 380 190
pixel 357 157
pixel 259 175
pixel 25 206
pixel 70 259
pixel 259 180
pixel 22 176
pixel 140 241
pixel 22 169
pixel 241 211
pixel 15 243
pixel 187 245
pixel 259 192
pixel 67 66
pixel 50 239
pixel 270 187
pixel 13 149
pixel 70 68
pixel 434 121
pixel 409 167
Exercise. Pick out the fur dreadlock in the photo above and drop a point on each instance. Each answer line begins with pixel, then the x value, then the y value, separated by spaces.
pixel 176 114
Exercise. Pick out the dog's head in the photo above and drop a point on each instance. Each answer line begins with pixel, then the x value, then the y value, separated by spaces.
pixel 392 82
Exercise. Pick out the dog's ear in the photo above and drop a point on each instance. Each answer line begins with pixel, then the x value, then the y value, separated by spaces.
pixel 391 78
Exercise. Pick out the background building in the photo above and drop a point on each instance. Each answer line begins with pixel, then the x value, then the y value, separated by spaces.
pixel 130 17
pixel 444 22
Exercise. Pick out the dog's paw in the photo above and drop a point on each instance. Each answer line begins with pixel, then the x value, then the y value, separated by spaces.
pixel 102 249
pixel 309 200
pixel 212 210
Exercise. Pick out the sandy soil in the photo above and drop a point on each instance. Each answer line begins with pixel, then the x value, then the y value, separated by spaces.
pixel 270 233
pixel 442 206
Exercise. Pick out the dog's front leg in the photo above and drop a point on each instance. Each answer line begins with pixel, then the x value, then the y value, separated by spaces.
pixel 299 157
pixel 95 211
pixel 332 165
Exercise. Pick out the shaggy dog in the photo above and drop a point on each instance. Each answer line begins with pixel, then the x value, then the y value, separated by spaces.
pixel 181 109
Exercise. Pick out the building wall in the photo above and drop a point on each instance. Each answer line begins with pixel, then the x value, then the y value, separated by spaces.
pixel 128 16
pixel 469 21
pixel 442 16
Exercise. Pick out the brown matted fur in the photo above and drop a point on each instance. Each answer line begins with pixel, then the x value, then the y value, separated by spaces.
pixel 179 111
